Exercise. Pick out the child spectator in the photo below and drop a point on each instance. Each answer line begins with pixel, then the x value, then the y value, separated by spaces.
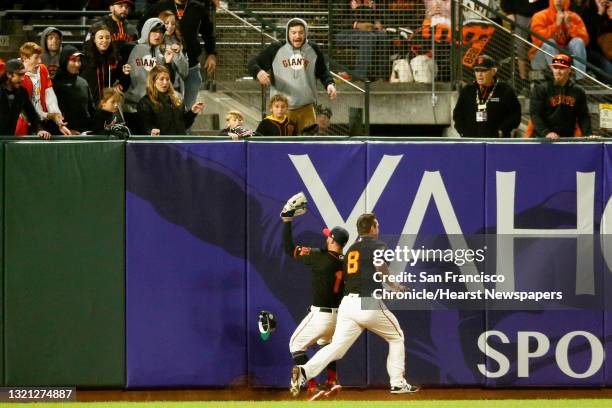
pixel 277 123
pixel 234 126
pixel 174 40
pixel 108 115
pixel 73 94
pixel 143 57
pixel 161 110
pixel 37 83
pixel 102 67
pixel 51 43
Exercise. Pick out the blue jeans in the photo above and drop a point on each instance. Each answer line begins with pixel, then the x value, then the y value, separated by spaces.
pixel 575 47
pixel 192 86
pixel 366 41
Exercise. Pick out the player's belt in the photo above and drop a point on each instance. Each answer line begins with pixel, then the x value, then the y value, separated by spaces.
pixel 323 309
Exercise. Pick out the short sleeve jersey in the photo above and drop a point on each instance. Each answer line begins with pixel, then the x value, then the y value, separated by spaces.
pixel 359 266
pixel 326 280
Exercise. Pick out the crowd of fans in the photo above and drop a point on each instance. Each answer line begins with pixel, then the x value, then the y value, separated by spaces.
pixel 144 78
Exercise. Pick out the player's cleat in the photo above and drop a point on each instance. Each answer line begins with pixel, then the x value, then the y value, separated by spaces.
pixel 332 388
pixel 404 389
pixel 297 380
pixel 295 206
pixel 315 393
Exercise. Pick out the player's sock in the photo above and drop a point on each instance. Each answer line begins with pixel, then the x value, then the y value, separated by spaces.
pixel 299 358
pixel 332 375
pixel 312 383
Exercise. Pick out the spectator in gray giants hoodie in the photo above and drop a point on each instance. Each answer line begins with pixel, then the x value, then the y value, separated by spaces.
pixel 292 67
pixel 51 43
pixel 143 57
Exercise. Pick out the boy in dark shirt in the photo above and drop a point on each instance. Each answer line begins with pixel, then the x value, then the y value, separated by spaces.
pixel 277 123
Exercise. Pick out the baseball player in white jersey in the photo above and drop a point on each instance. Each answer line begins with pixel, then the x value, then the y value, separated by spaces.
pixel 353 318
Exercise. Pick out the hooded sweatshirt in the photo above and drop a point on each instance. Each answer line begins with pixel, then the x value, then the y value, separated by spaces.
pixel 142 58
pixel 73 95
pixel 51 61
pixel 294 70
pixel 559 109
pixel 544 23
pixel 195 20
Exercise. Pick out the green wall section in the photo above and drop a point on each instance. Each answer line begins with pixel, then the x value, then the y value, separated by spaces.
pixel 64 264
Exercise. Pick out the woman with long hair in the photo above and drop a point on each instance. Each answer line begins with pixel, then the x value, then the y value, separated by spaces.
pixel 161 110
pixel 102 66
pixel 173 40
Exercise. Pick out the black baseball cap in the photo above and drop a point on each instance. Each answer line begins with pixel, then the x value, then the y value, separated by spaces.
pixel 15 66
pixel 484 63
pixel 338 234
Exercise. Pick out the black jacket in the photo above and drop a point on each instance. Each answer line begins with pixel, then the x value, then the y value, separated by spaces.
pixel 103 71
pixel 103 121
pixel 121 32
pixel 559 109
pixel 73 95
pixel 196 18
pixel 13 103
pixel 169 119
pixel 271 127
pixel 503 112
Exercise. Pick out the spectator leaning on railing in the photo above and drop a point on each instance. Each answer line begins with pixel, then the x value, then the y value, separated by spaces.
pixel 566 28
pixel 143 57
pixel 161 110
pixel 73 93
pixel 15 101
pixel 488 107
pixel 558 107
pixel 39 86
pixel 292 67
pixel 193 21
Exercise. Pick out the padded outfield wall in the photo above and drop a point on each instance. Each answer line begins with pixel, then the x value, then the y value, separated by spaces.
pixel 145 264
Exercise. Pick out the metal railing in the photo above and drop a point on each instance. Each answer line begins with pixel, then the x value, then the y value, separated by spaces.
pixel 269 26
pixel 486 33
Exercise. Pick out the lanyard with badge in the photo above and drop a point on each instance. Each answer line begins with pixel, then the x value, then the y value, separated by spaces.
pixel 481 104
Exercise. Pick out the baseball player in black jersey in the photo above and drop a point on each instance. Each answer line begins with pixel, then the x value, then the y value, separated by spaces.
pixel 359 284
pixel 327 290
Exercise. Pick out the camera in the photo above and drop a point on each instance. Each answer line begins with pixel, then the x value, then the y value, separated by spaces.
pixel 242 132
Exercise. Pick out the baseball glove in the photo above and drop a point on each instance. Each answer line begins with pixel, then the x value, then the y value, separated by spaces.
pixel 295 206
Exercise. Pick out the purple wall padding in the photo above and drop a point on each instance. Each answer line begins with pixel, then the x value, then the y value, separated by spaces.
pixel 276 282
pixel 185 275
pixel 607 267
pixel 440 345
pixel 545 198
pixel 204 256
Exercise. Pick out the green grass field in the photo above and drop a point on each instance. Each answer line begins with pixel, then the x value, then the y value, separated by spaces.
pixel 540 403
